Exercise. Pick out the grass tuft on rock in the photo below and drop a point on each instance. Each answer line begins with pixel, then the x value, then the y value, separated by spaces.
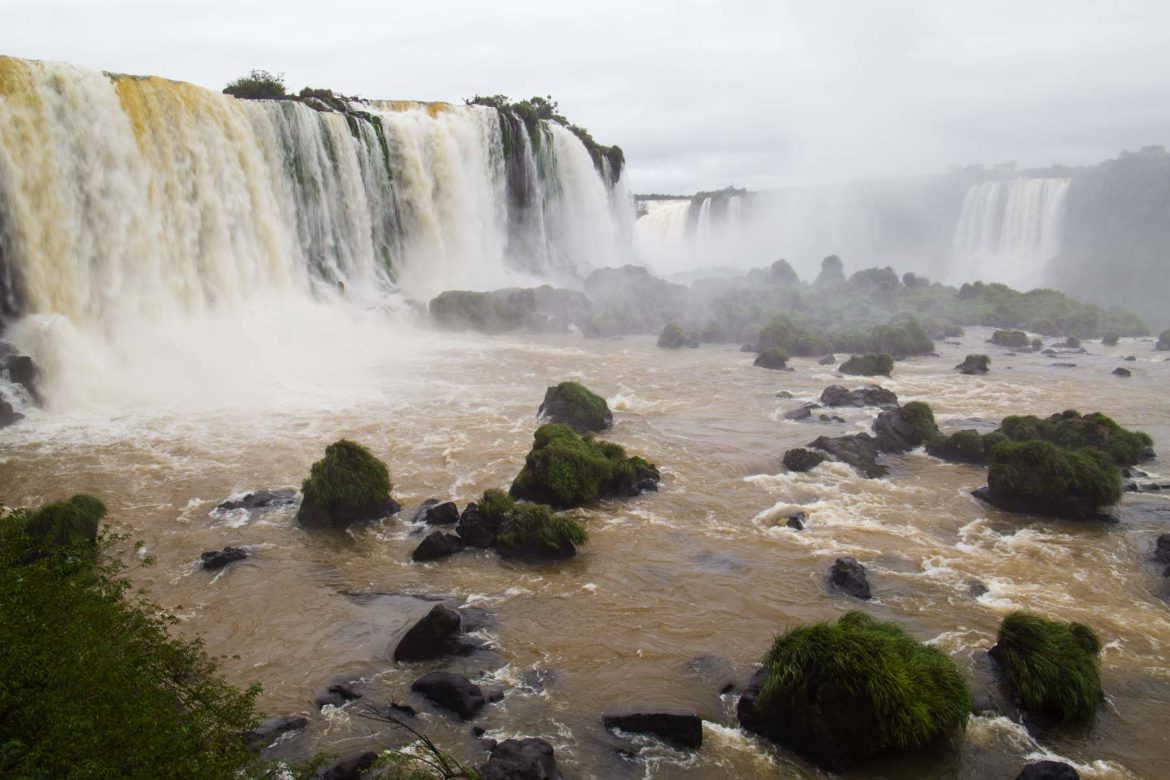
pixel 1052 666
pixel 1013 339
pixel 564 469
pixel 348 476
pixel 575 405
pixel 1053 480
pixel 869 364
pixel 774 358
pixel 1073 430
pixel 534 529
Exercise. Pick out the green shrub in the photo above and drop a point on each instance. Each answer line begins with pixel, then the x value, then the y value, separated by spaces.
pixel 967 446
pixel 1072 342
pixel 900 339
pixel 496 504
pixel 672 336
pixel 912 693
pixel 1013 339
pixel 1075 483
pixel 534 529
pixel 257 85
pixel 772 358
pixel 921 419
pixel 66 522
pixel 1072 430
pixel 349 476
pixel 868 365
pixel 573 404
pixel 564 469
pixel 1052 666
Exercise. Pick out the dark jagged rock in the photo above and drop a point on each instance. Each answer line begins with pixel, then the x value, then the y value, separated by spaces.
pixel 261 499
pixel 1064 365
pixel 974 364
pixel 437 545
pixel 436 635
pixel 859 450
pixel 1048 770
pixel 797 521
pixel 803 413
pixel 217 559
pixel 870 395
pixel 782 394
pixel 336 696
pixel 351 768
pixel 1130 358
pixel 800 459
pixel 976 588
pixel 451 691
pixel 1124 372
pixel 446 513
pixel 8 415
pixel 1162 549
pixel 574 405
pixel 905 428
pixel 521 759
pixel 477 528
pixel 21 370
pixel 848 576
pixel 267 732
pixel 683 729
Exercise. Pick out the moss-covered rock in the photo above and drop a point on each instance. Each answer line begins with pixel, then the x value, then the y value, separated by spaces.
pixel 1073 430
pixel 1013 339
pixel 966 446
pixel 1040 478
pixel 1052 667
pixel 1110 339
pixel 348 485
pixel 535 531
pixel 842 692
pixel 905 428
pixel 869 364
pixel 776 359
pixel 974 364
pixel 62 523
pixel 564 470
pixel 574 405
pixel 674 337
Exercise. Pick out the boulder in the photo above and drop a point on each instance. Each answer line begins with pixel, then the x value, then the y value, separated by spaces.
pixel 351 768
pixel 905 428
pixel 574 405
pixel 828 360
pixel 564 470
pixel 848 576
pixel 21 370
pixel 682 729
pixel 796 521
pixel 437 545
pixel 478 528
pixel 434 513
pixel 859 450
pixel 1037 477
pixel 349 485
pixel 521 759
pixel 1122 372
pixel 1162 549
pixel 538 310
pixel 674 337
pixel 435 635
pixel 803 413
pixel 776 359
pixel 336 695
pixel 535 532
pixel 869 364
pixel 870 395
pixel 217 559
pixel 267 732
pixel 261 499
pixel 801 459
pixel 451 691
pixel 974 364
pixel 1048 770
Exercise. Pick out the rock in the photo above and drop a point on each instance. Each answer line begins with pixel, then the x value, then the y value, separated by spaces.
pixel 217 559
pixel 542 309
pixel 437 545
pixel 261 499
pixel 800 459
pixel 775 359
pixel 1048 770
pixel 476 528
pixel 682 729
pixel 859 450
pixel 905 428
pixel 1064 365
pixel 405 710
pixel 803 413
pixel 352 768
pixel 521 759
pixel 1037 477
pixel 451 691
pixel 8 415
pixel 782 394
pixel 1130 358
pixel 1162 549
pixel 848 576
pixel 870 395
pixel 565 470
pixel 336 695
pixel 797 521
pixel 436 635
pixel 267 732
pixel 674 337
pixel 445 513
pixel 869 364
pixel 349 485
pixel 976 588
pixel 21 370
pixel 574 405
pixel 828 360
pixel 974 364
pixel 1119 371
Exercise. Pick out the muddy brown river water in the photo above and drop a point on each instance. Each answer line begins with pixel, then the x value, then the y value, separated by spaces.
pixel 704 567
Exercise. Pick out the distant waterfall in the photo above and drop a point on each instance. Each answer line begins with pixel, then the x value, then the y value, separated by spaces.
pixel 1008 230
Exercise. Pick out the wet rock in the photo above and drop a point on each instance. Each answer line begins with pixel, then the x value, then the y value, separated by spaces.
pixel 976 588
pixel 217 559
pixel 848 576
pixel 1130 358
pixel 803 413
pixel 828 360
pixel 436 635
pixel 801 459
pixel 478 731
pixel 352 768
pixel 261 499
pixel 1069 506
pixel 8 415
pixel 434 513
pixel 451 691
pixel 539 679
pixel 336 695
pixel 682 729
pixel 783 394
pixel 1162 549
pixel 477 529
pixel 403 710
pixel 974 364
pixel 775 359
pixel 21 370
pixel 267 732
pixel 1123 372
pixel 574 405
pixel 674 337
pixel 859 450
pixel 313 515
pixel 797 521
pixel 1064 365
pixel 1048 770
pixel 521 759
pixel 437 545
pixel 870 395
pixel 905 428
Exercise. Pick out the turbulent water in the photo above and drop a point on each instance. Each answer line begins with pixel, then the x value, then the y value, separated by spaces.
pixel 705 566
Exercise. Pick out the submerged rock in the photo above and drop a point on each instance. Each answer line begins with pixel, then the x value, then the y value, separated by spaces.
pixel 351 768
pixel 437 545
pixel 435 635
pixel 217 559
pixel 21 370
pixel 859 450
pixel 261 499
pixel 682 729
pixel 870 395
pixel 803 413
pixel 8 415
pixel 267 732
pixel 451 691
pixel 1048 770
pixel 796 521
pixel 1162 549
pixel 849 577
pixel 336 695
pixel 521 759
pixel 1122 372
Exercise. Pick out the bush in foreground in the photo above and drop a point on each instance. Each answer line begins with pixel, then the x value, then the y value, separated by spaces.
pixel 564 470
pixel 348 485
pixel 842 692
pixel 1051 666
pixel 65 522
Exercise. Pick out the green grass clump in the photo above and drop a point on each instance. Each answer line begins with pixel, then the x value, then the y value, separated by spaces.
pixel 349 476
pixel 496 504
pixel 257 85
pixel 1052 666
pixel 1014 339
pixel 913 692
pixel 869 364
pixel 775 358
pixel 66 522
pixel 575 405
pixel 967 446
pixel 900 339
pixel 1039 471
pixel 1073 430
pixel 921 418
pixel 564 469
pixel 536 529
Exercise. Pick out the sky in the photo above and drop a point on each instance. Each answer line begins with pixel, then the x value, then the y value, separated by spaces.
pixel 700 95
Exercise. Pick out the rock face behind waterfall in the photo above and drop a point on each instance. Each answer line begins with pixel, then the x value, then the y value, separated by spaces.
pixel 536 310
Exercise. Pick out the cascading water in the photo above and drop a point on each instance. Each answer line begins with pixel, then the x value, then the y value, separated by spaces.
pixel 1009 230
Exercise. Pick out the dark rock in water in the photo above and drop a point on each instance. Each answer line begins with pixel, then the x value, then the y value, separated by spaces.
pixel 797 521
pixel 261 499
pixel 574 405
pixel 478 731
pixel 442 514
pixel 8 415
pixel 775 359
pixel 1048 770
pixel 219 558
pixel 974 364
pixel 405 710
pixel 975 588
pixel 267 732
pixel 828 360
pixel 521 759
pixel 859 450
pixel 313 515
pixel 905 428
pixel 437 545
pixel 1119 371
pixel 352 768
pixel 1064 365
pixel 848 576
pixel 336 695
pixel 452 691
pixel 1130 358
pixel 420 513
pixel 1050 353
pixel 782 394
pixel 800 459
pixel 683 729
pixel 803 413
pixel 870 395
pixel 436 635
pixel 869 364
pixel 477 529
pixel 539 679
pixel 21 370
pixel 1069 507
pixel 1162 549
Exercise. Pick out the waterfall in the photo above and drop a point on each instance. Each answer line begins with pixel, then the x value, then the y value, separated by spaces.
pixel 1008 230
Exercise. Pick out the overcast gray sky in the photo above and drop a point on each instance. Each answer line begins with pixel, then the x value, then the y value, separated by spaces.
pixel 699 94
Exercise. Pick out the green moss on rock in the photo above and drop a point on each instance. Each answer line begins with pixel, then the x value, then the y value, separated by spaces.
pixel 967 446
pixel 564 469
pixel 573 404
pixel 1073 430
pixel 535 531
pixel 1038 477
pixel 974 364
pixel 1013 339
pixel 348 485
pixel 775 358
pixel 1051 666
pixel 869 364
pixel 674 337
